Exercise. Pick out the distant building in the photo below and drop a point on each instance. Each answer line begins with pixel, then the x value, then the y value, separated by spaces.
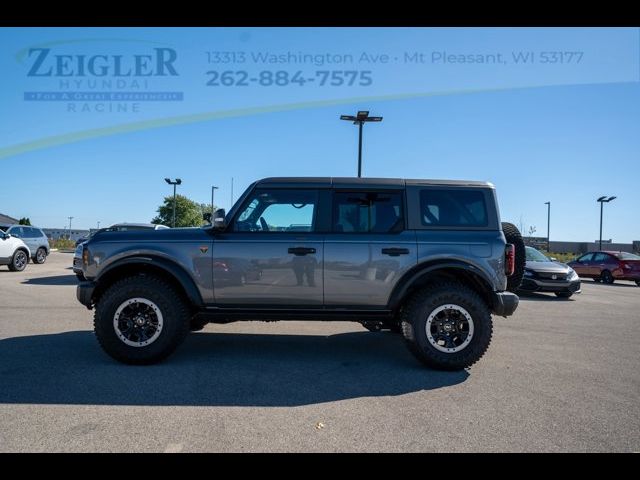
pixel 581 247
pixel 6 219
pixel 58 233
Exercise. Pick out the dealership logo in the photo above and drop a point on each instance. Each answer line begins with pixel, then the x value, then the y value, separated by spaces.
pixel 102 82
pixel 160 63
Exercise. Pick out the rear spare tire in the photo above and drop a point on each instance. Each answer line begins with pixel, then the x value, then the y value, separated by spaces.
pixel 512 234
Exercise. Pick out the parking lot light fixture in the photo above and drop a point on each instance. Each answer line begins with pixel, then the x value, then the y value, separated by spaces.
pixel 602 201
pixel 360 119
pixel 548 204
pixel 175 182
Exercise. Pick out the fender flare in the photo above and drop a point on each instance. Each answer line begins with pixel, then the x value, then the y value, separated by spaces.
pixel 169 267
pixel 423 269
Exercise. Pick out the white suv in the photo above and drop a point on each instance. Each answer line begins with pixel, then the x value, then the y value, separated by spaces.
pixel 13 252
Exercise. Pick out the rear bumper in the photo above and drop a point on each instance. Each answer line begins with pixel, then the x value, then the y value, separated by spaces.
pixel 504 303
pixel 84 293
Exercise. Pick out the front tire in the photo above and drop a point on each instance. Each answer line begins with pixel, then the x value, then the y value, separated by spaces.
pixel 564 294
pixel 447 327
pixel 40 257
pixel 140 320
pixel 607 277
pixel 19 261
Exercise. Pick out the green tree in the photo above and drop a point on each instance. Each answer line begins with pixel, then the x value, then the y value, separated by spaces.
pixel 24 221
pixel 188 212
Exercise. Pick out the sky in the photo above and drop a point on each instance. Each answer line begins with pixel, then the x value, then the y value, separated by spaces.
pixel 561 127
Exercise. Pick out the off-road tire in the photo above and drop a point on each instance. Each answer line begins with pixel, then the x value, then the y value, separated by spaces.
pixel 414 320
pixel 512 235
pixel 174 312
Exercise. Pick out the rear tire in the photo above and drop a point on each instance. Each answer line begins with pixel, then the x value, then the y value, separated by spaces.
pixel 512 235
pixel 436 335
pixel 134 299
pixel 564 294
pixel 607 277
pixel 19 261
pixel 40 257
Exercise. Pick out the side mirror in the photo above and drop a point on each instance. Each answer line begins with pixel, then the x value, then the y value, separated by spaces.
pixel 218 219
pixel 206 217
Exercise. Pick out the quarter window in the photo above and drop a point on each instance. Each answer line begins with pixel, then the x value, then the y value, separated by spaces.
pixel 453 208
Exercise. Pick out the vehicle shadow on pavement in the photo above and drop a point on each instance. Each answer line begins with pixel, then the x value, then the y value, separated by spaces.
pixel 216 369
pixel 53 280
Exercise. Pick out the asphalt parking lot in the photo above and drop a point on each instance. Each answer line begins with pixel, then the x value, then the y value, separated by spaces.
pixel 561 375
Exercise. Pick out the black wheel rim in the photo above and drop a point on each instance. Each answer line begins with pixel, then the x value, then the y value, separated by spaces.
pixel 138 322
pixel 449 328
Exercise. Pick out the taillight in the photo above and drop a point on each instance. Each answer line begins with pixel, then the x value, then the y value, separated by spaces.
pixel 509 259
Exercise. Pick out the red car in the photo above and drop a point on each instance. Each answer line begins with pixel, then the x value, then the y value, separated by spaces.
pixel 608 266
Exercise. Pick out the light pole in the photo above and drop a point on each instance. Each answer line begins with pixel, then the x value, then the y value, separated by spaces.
pixel 548 204
pixel 175 182
pixel 70 218
pixel 213 189
pixel 360 119
pixel 98 224
pixel 231 205
pixel 602 200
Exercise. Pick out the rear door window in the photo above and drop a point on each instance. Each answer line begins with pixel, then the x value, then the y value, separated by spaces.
pixel 367 212
pixel 453 208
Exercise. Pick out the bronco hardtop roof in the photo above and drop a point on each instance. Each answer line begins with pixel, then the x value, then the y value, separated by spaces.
pixel 348 182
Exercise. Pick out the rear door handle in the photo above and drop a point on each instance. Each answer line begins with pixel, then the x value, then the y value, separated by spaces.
pixel 394 252
pixel 300 251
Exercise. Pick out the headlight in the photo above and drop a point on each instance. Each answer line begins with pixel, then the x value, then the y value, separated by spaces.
pixel 572 275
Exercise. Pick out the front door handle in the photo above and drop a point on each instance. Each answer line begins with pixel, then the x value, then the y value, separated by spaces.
pixel 394 252
pixel 300 251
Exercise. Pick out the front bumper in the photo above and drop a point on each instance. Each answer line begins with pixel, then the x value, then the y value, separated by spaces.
pixel 560 286
pixel 504 303
pixel 77 265
pixel 84 293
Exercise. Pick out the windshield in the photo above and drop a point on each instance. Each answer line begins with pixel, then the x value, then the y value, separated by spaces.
pixel 626 256
pixel 4 229
pixel 534 255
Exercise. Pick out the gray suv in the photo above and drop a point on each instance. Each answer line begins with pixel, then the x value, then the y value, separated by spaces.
pixel 33 237
pixel 426 258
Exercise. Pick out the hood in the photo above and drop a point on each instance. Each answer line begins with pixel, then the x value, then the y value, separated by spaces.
pixel 553 267
pixel 166 234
